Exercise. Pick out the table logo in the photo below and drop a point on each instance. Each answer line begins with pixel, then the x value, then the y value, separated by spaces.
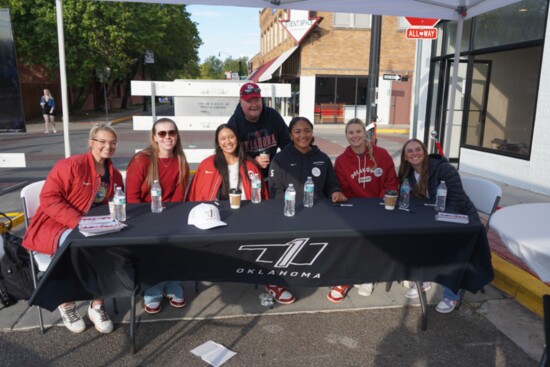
pixel 298 252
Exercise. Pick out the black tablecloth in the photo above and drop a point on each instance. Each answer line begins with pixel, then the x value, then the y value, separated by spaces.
pixel 320 246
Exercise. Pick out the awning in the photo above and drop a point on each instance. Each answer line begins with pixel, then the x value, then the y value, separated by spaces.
pixel 266 71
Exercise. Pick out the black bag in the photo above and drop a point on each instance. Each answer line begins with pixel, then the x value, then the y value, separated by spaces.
pixel 16 282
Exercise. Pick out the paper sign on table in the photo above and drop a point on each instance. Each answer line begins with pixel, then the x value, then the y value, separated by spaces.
pixel 213 353
pixel 99 224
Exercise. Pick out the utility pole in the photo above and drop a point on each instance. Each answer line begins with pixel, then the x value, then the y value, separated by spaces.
pixel 374 68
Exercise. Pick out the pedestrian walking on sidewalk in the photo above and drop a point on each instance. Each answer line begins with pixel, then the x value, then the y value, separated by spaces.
pixel 47 103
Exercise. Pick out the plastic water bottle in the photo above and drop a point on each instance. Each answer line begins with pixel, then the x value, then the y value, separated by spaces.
pixel 441 197
pixel 309 191
pixel 404 194
pixel 290 201
pixel 120 205
pixel 256 189
pixel 156 197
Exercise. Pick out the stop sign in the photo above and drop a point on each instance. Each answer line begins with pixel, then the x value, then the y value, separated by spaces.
pixel 422 22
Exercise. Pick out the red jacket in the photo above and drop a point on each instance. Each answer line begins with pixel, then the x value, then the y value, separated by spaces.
pixel 359 180
pixel 67 195
pixel 207 181
pixel 137 187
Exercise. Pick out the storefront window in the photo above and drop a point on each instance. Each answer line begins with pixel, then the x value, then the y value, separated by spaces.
pixel 519 22
pixel 503 99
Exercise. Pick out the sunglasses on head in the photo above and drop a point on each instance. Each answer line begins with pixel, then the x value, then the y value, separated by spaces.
pixel 250 91
pixel 171 133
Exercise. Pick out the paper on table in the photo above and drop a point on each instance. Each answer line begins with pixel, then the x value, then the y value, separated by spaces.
pixel 213 353
pixel 99 224
pixel 453 218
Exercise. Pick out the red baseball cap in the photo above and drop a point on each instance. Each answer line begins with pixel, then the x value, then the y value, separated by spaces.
pixel 249 91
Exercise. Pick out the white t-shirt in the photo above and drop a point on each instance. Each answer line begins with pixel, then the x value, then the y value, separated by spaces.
pixel 233 170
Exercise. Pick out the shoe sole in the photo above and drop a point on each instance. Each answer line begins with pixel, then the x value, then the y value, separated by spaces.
pixel 334 300
pixel 152 311
pixel 176 305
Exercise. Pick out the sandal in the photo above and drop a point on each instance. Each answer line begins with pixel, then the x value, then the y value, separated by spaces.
pixel 338 293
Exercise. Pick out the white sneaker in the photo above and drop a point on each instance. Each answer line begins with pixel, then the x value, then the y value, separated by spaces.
pixel 364 290
pixel 71 319
pixel 413 292
pixel 446 306
pixel 99 317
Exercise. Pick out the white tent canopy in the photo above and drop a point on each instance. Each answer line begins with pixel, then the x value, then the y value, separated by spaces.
pixel 442 9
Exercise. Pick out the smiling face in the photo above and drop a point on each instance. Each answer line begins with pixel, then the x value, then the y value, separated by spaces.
pixel 227 141
pixel 414 154
pixel 103 145
pixel 356 135
pixel 166 137
pixel 301 135
pixel 252 109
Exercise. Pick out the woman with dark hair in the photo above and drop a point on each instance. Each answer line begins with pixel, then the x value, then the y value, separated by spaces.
pixel 229 168
pixel 163 160
pixel 293 165
pixel 72 187
pixel 364 171
pixel 425 172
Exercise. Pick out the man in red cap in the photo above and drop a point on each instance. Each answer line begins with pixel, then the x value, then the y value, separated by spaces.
pixel 261 129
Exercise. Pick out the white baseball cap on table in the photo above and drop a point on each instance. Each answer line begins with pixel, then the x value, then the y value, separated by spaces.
pixel 205 216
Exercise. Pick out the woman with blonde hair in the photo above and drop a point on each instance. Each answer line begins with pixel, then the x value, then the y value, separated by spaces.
pixel 163 160
pixel 364 170
pixel 72 187
pixel 47 104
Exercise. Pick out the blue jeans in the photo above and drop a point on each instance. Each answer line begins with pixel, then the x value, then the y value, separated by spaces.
pixel 447 293
pixel 155 293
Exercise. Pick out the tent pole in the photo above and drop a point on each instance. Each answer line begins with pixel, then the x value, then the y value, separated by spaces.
pixel 63 76
pixel 458 44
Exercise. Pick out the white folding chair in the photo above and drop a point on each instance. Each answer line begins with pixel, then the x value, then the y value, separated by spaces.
pixel 485 195
pixel 30 195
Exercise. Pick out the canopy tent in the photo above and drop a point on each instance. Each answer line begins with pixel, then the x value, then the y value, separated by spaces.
pixel 457 10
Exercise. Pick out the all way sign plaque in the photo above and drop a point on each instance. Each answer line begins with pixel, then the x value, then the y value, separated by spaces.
pixel 422 33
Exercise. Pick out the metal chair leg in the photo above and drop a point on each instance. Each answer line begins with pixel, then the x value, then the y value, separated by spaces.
pixel 133 323
pixel 115 306
pixel 388 286
pixel 545 361
pixel 34 282
pixel 423 303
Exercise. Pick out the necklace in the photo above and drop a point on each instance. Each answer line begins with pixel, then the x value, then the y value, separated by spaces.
pixel 166 159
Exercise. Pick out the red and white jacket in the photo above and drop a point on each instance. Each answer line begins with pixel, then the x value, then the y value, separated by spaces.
pixel 67 195
pixel 207 181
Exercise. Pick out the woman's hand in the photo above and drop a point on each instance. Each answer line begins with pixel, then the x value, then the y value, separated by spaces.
pixel 263 160
pixel 338 197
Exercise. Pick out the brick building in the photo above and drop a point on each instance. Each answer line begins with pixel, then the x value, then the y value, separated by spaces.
pixel 328 67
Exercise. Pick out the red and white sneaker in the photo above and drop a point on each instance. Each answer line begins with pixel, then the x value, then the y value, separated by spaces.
pixel 176 301
pixel 338 293
pixel 280 294
pixel 152 308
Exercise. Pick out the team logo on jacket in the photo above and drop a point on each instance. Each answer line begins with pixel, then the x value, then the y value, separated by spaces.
pixel 316 172
pixel 378 172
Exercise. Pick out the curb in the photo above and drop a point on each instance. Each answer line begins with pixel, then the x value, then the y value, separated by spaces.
pixel 17 218
pixel 392 131
pixel 524 288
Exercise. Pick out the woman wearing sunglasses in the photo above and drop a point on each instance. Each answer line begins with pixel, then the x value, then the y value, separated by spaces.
pixel 163 160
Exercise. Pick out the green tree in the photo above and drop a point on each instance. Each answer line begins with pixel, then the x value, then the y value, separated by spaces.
pixel 212 68
pixel 106 34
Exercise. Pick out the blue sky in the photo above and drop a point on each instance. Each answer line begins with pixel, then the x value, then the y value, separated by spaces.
pixel 227 30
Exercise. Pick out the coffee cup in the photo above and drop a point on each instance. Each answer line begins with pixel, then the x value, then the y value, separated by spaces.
pixel 390 199
pixel 235 198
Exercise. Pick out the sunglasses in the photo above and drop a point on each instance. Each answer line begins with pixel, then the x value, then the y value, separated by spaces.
pixel 250 91
pixel 171 133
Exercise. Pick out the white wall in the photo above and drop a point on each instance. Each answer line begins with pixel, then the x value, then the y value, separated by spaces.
pixel 307 97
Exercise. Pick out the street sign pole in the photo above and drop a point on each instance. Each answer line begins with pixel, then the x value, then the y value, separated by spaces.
pixel 374 66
